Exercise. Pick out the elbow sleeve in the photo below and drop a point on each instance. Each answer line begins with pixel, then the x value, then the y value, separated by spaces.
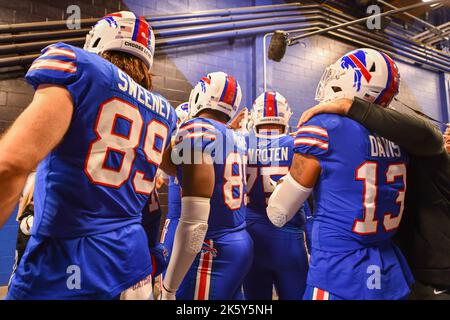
pixel 189 237
pixel 286 200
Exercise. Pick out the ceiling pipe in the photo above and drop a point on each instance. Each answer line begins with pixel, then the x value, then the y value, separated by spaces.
pixel 421 50
pixel 37 46
pixel 11 61
pixel 428 25
pixel 432 41
pixel 52 25
pixel 234 25
pixel 45 25
pixel 203 21
pixel 175 41
pixel 341 17
pixel 294 40
pixel 20 38
pixel 426 34
pixel 298 8
pixel 221 35
pixel 226 12
pixel 23 48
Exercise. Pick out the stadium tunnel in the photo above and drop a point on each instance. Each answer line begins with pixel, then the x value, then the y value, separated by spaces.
pixel 194 38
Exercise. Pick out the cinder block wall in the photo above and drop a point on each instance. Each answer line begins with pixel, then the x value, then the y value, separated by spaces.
pixel 177 70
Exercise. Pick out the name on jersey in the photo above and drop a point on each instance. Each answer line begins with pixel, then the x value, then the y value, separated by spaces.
pixel 151 101
pixel 268 155
pixel 381 147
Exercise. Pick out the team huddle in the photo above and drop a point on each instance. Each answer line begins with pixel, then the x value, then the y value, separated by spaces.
pixel 251 205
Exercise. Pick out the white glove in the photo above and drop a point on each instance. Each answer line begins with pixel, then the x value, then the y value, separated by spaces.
pixel 26 224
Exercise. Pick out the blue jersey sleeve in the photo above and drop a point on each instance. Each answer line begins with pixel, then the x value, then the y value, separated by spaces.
pixel 196 135
pixel 64 65
pixel 57 64
pixel 312 139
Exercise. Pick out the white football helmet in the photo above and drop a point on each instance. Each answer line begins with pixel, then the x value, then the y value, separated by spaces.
pixel 271 108
pixel 182 112
pixel 217 91
pixel 122 31
pixel 363 73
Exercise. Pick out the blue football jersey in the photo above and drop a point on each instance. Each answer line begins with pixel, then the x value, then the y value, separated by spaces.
pixel 359 200
pixel 100 176
pixel 174 198
pixel 202 136
pixel 361 188
pixel 269 159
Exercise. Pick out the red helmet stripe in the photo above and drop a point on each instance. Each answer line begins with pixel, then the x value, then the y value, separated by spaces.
pixel 269 102
pixel 116 14
pixel 362 68
pixel 230 91
pixel 392 84
pixel 142 31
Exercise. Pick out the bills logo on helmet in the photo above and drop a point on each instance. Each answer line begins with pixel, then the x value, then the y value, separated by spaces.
pixel 110 19
pixel 357 61
pixel 203 82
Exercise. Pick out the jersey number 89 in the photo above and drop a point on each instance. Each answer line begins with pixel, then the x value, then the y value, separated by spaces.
pixel 110 141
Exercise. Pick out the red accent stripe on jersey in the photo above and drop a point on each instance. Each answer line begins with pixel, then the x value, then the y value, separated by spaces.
pixel 194 125
pixel 142 32
pixel 270 104
pixel 153 265
pixel 361 67
pixel 230 91
pixel 313 142
pixel 320 294
pixel 52 51
pixel 53 64
pixel 205 135
pixel 313 130
pixel 204 274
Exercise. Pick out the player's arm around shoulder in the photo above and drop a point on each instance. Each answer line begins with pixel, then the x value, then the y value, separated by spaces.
pixel 33 135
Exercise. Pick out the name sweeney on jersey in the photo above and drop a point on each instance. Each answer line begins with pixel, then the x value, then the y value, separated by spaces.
pixel 151 101
pixel 381 147
pixel 268 155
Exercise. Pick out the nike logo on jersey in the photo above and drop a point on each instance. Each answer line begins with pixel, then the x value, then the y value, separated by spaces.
pixel 436 292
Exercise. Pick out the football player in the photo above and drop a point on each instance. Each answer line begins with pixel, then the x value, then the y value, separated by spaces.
pixel 280 257
pixel 173 193
pixel 359 182
pixel 212 251
pixel 98 135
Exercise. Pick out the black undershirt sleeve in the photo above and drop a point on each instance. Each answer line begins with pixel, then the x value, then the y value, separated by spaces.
pixel 416 135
